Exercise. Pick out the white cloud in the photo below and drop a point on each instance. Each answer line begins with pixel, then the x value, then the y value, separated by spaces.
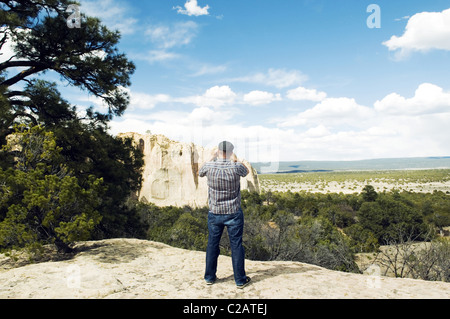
pixel 222 93
pixel 301 93
pixel 147 101
pixel 318 131
pixel 95 101
pixel 193 9
pixel 334 129
pixel 207 116
pixel 157 56
pixel 332 111
pixel 176 35
pixel 425 31
pixel 261 97
pixel 114 14
pixel 402 18
pixel 394 127
pixel 138 100
pixel 94 55
pixel 201 114
pixel 7 49
pixel 219 96
pixel 216 96
pixel 167 37
pixel 428 99
pixel 279 78
pixel 206 69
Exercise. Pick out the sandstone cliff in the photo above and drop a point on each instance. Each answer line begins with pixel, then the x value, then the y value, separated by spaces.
pixel 131 268
pixel 170 175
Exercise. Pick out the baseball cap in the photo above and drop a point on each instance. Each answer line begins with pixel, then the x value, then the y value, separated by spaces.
pixel 226 147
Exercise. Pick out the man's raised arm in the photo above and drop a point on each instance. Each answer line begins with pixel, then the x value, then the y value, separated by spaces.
pixel 234 159
pixel 202 172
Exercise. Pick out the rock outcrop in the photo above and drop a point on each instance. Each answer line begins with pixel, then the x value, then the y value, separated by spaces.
pixel 131 268
pixel 170 175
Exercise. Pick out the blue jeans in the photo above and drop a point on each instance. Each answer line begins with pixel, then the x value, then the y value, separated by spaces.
pixel 235 228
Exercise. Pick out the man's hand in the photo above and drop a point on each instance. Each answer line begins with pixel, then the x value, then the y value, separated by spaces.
pixel 214 156
pixel 234 159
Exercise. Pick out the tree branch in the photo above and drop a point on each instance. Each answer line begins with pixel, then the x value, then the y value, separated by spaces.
pixel 22 75
pixel 23 63
pixel 15 93
pixel 17 114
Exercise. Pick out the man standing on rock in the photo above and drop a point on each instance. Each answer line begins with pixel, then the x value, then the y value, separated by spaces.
pixel 224 172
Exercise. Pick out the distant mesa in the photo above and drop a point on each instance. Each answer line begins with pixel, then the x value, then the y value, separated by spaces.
pixel 435 162
pixel 296 171
pixel 170 173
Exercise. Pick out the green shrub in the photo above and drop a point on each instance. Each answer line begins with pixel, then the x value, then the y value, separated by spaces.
pixel 41 202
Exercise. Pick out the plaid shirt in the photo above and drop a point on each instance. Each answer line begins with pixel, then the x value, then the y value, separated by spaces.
pixel 224 187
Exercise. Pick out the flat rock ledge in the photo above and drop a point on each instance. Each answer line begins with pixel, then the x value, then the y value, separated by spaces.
pixel 131 268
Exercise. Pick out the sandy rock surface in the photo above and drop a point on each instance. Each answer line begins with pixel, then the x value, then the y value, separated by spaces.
pixel 131 268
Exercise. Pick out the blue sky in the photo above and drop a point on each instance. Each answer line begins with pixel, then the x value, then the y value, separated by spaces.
pixel 287 80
